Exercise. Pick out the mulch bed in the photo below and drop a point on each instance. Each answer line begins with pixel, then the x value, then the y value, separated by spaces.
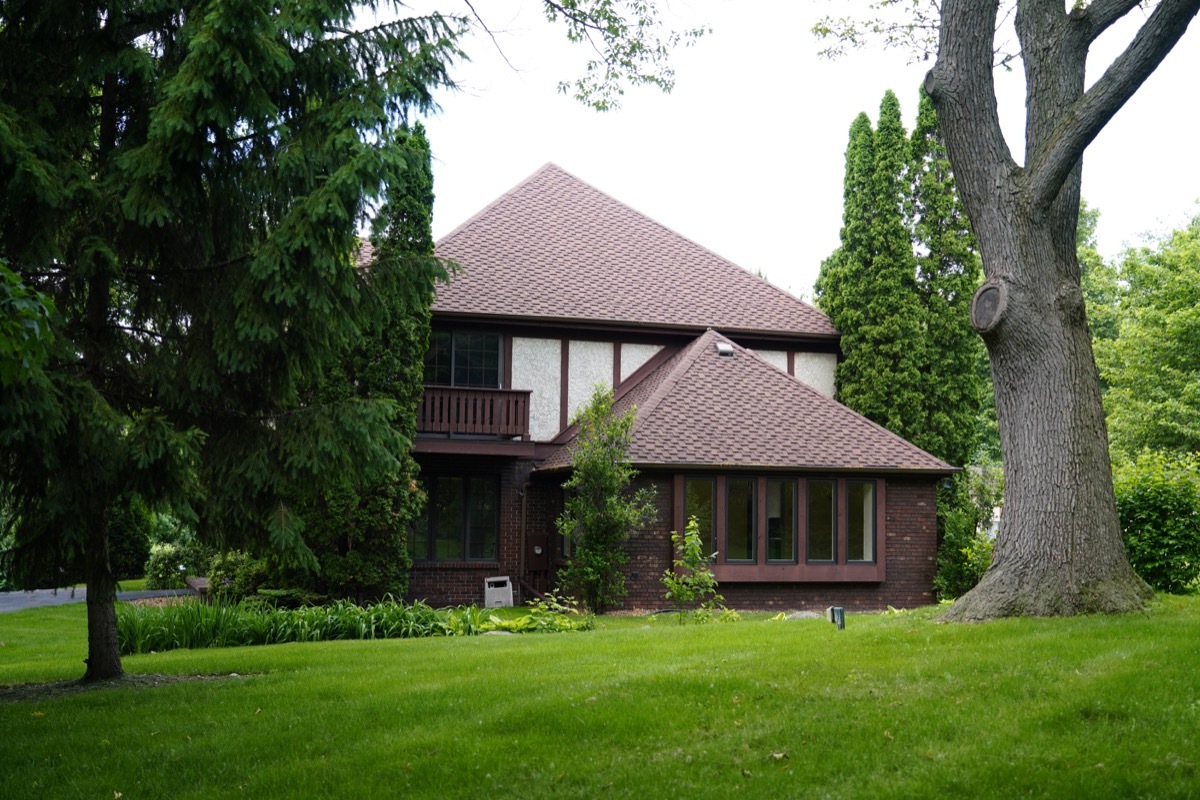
pixel 37 692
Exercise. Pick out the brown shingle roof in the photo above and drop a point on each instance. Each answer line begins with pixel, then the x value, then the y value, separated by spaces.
pixel 702 409
pixel 557 248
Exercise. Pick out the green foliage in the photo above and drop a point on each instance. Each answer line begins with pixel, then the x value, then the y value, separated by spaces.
pixel 130 526
pixel 193 624
pixel 599 512
pixel 25 327
pixel 1098 278
pixel 189 204
pixel 165 568
pixel 691 585
pixel 965 519
pixel 630 44
pixel 1158 501
pixel 899 287
pixel 1152 367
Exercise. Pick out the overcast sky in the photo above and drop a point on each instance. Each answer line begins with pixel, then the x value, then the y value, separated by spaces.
pixel 746 155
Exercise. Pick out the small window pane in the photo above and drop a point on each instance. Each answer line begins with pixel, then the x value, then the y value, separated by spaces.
pixel 477 359
pixel 698 502
pixel 437 359
pixel 821 517
pixel 448 508
pixel 860 521
pixel 483 535
pixel 781 520
pixel 739 520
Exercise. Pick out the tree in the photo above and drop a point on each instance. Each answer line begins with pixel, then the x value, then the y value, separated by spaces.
pixel 186 185
pixel 867 287
pixel 1152 365
pixel 599 512
pixel 948 272
pixel 1097 278
pixel 1059 549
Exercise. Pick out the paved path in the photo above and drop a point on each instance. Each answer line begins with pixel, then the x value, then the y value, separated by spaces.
pixel 37 598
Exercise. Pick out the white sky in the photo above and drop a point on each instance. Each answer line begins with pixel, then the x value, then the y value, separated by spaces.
pixel 746 155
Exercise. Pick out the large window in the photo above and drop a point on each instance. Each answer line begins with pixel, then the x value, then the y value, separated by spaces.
pixel 822 520
pixel 698 494
pixel 773 527
pixel 740 530
pixel 461 520
pixel 781 520
pixel 860 520
pixel 463 358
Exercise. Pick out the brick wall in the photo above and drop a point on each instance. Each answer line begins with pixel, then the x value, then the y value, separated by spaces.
pixel 911 542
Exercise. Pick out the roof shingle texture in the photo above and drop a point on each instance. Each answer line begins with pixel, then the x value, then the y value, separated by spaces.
pixel 706 410
pixel 557 248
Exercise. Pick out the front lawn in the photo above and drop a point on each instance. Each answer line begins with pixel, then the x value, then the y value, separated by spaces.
pixel 894 706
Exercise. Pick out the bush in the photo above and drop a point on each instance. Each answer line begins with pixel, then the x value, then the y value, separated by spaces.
pixel 129 528
pixel 691 584
pixel 1158 502
pixel 964 519
pixel 165 568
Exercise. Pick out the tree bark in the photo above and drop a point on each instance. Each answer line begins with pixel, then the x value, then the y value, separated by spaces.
pixel 1059 548
pixel 104 653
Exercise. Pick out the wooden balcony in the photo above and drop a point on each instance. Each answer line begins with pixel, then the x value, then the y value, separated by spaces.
pixel 502 413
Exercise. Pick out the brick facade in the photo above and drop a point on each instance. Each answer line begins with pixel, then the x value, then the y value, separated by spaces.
pixel 910 539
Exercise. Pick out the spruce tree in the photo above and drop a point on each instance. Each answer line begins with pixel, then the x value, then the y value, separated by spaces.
pixel 185 184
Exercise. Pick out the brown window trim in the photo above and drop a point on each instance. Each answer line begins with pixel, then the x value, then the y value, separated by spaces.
pixel 840 571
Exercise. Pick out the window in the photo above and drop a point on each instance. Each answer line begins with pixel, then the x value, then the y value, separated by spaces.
pixel 463 358
pixel 698 496
pixel 777 527
pixel 822 520
pixel 781 520
pixel 740 531
pixel 860 520
pixel 461 521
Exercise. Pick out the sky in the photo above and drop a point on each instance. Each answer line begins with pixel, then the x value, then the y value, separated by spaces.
pixel 746 155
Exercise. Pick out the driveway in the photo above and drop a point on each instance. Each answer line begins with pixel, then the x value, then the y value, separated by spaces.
pixel 37 598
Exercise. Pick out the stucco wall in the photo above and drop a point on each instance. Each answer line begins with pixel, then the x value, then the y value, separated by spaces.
pixel 591 363
pixel 776 358
pixel 537 364
pixel 816 369
pixel 634 356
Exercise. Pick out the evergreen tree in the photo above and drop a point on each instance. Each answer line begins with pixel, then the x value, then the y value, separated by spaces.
pixel 185 185
pixel 867 287
pixel 358 529
pixel 948 272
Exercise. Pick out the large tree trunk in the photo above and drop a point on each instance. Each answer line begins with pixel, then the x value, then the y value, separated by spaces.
pixel 1059 548
pixel 104 653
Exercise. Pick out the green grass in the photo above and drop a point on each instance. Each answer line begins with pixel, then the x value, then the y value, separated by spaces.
pixel 893 706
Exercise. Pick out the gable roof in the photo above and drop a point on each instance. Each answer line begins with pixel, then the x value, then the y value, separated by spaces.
pixel 702 409
pixel 557 248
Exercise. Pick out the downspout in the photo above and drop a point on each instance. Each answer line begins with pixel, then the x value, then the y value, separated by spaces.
pixel 523 493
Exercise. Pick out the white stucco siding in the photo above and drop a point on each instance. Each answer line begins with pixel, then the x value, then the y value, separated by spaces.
pixel 816 369
pixel 536 365
pixel 591 363
pixel 776 358
pixel 633 356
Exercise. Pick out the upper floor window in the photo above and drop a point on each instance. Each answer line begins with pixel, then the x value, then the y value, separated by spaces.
pixel 463 358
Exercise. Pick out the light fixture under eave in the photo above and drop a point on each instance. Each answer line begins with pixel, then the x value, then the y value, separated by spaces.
pixel 725 349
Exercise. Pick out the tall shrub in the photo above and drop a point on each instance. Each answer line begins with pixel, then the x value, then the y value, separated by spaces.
pixel 1158 502
pixel 600 511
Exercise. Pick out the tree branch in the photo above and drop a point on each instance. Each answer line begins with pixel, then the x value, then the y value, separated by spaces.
pixel 1065 145
pixel 1101 14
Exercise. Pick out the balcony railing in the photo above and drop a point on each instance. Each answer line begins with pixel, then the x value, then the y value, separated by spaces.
pixel 475 412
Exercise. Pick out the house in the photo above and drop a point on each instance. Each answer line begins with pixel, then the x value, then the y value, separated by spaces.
pixel 807 503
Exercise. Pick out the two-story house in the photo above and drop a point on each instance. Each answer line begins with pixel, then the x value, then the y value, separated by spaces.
pixel 562 288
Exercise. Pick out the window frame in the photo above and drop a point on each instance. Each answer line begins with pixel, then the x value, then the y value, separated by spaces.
pixel 452 366
pixel 801 569
pixel 427 537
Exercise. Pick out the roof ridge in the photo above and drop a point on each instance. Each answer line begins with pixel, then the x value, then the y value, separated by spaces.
pixel 499 199
pixel 687 357
pixel 674 232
